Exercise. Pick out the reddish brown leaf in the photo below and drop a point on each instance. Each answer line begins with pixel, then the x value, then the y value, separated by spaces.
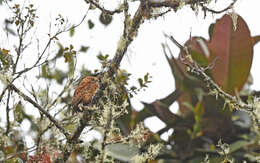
pixel 198 48
pixel 255 39
pixel 199 51
pixel 234 50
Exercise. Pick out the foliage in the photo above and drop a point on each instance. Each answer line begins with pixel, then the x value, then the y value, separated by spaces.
pixel 218 119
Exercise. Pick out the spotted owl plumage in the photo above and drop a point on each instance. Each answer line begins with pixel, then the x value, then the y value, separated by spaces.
pixel 85 91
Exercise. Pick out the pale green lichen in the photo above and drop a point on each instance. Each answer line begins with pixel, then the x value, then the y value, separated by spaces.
pixel 234 18
pixel 121 44
pixel 110 107
pixel 151 153
pixel 6 77
pixel 255 115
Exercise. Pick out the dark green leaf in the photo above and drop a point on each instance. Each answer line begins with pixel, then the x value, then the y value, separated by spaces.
pixel 19 112
pixel 146 77
pixel 102 57
pixel 238 145
pixel 46 71
pixel 72 32
pixel 84 48
pixel 68 57
pixel 211 27
pixel 105 18
pixel 90 24
pixel 140 81
pixel 61 50
pixel 59 76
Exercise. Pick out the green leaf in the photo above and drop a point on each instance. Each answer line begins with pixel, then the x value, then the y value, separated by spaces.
pixel 59 76
pixel 199 111
pixel 122 152
pixel 238 145
pixel 90 24
pixel 211 28
pixel 84 48
pixel 46 71
pixel 199 50
pixel 102 57
pixel 71 68
pixel 105 18
pixel 68 57
pixel 71 47
pixel 141 82
pixel 61 50
pixel 72 32
pixel 19 112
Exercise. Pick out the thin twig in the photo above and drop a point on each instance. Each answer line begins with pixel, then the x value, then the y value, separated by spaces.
pixel 40 134
pixel 17 153
pixel 161 14
pixel 198 71
pixel 110 12
pixel 130 31
pixel 36 64
pixel 204 8
pixel 60 94
pixel 20 46
pixel 42 110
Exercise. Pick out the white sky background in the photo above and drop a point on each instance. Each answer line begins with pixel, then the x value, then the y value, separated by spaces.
pixel 145 53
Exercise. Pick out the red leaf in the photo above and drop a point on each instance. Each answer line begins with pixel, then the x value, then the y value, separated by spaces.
pixel 234 50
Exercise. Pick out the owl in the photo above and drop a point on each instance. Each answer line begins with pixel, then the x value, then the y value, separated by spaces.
pixel 85 91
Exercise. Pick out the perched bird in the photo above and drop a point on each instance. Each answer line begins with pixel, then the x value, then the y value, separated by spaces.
pixel 85 92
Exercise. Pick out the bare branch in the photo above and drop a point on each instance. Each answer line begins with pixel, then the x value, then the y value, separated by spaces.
pixel 37 63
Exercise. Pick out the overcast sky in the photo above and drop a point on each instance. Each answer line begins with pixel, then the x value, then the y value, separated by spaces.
pixel 145 53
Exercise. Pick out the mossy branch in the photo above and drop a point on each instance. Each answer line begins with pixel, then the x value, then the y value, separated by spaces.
pixel 233 102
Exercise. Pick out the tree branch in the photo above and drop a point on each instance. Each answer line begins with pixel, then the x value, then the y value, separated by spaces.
pixel 27 98
pixel 110 12
pixel 130 31
pixel 205 9
pixel 198 71
pixel 7 113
